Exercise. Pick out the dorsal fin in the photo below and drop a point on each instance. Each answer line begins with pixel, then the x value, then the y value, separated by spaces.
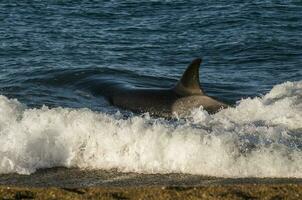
pixel 189 82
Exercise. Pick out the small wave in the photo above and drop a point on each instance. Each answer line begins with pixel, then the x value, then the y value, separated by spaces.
pixel 260 137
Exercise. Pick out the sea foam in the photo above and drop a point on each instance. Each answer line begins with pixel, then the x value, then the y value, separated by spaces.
pixel 260 137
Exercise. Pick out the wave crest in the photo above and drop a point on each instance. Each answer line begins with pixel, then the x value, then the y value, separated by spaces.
pixel 260 137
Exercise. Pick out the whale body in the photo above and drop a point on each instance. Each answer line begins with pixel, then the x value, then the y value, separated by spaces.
pixel 166 102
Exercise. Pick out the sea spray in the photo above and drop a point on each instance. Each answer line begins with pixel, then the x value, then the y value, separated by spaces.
pixel 259 137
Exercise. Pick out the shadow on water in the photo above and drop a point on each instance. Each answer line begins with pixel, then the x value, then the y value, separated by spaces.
pixel 73 177
pixel 84 87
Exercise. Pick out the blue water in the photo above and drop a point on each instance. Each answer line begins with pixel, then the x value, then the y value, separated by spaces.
pixel 51 50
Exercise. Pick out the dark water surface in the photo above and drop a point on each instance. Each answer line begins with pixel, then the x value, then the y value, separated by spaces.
pixel 53 52
pixel 75 178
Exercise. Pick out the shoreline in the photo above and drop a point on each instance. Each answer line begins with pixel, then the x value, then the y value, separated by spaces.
pixel 72 183
pixel 247 191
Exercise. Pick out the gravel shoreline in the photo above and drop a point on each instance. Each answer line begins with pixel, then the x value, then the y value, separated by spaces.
pixel 248 191
pixel 72 183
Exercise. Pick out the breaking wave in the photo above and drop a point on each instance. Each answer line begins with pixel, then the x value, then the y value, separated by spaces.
pixel 260 137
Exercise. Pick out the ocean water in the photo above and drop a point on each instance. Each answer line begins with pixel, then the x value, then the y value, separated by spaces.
pixel 54 55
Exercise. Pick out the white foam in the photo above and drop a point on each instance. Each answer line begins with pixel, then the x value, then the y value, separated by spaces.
pixel 260 137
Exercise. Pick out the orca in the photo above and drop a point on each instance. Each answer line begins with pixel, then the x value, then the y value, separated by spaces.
pixel 166 102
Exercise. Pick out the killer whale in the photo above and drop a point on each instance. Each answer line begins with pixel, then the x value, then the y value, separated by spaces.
pixel 165 102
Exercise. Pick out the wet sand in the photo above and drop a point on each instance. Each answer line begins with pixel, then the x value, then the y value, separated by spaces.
pixel 62 183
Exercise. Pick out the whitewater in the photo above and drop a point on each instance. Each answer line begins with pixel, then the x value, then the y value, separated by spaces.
pixel 258 137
